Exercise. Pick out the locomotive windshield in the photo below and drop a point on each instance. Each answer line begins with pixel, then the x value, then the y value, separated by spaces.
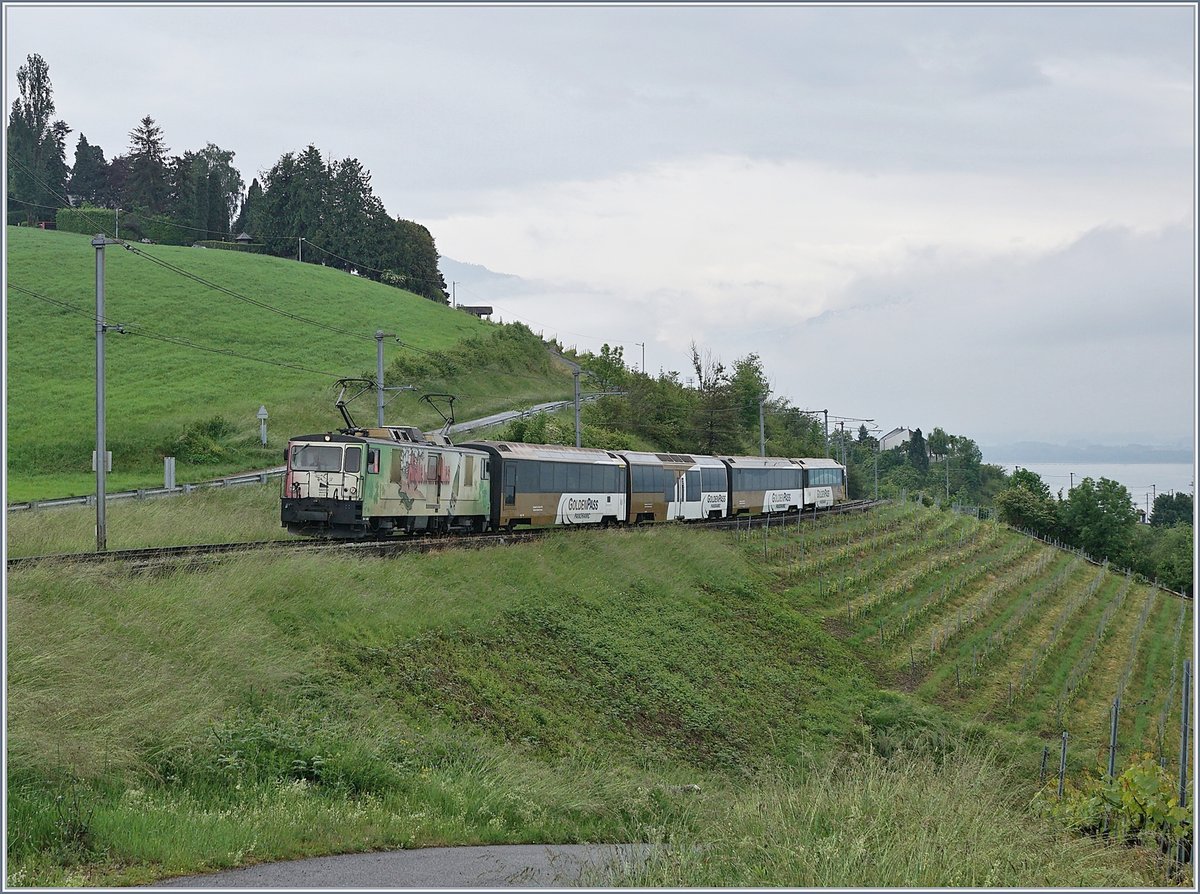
pixel 313 458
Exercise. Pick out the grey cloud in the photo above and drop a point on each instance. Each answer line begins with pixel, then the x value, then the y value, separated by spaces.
pixel 1110 283
pixel 436 101
pixel 1059 345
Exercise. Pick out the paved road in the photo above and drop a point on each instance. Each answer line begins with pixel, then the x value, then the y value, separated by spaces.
pixel 490 866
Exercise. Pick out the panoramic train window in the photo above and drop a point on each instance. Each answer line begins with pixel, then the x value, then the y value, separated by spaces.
pixel 527 476
pixel 713 480
pixel 783 479
pixel 353 459
pixel 693 486
pixel 824 477
pixel 560 477
pixel 316 458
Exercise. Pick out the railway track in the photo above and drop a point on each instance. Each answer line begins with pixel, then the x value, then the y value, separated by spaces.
pixel 197 553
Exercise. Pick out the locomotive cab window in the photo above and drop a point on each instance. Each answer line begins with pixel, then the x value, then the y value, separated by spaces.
pixel 373 460
pixel 353 460
pixel 316 458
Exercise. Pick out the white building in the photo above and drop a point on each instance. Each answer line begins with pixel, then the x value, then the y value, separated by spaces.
pixel 895 438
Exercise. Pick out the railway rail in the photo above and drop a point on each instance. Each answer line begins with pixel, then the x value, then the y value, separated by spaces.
pixel 163 555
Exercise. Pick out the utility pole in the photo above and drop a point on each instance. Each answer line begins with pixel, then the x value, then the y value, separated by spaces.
pixel 101 454
pixel 453 293
pixel 1184 730
pixel 642 344
pixel 380 335
pixel 826 412
pixel 576 369
pixel 762 432
pixel 300 248
pixel 1072 487
pixel 117 224
pixel 946 460
pixel 578 431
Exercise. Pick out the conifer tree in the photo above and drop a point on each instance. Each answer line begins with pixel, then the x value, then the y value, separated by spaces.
pixel 147 186
pixel 89 174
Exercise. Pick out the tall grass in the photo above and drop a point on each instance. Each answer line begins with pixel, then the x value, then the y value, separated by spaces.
pixel 957 819
pixel 656 684
pixel 246 513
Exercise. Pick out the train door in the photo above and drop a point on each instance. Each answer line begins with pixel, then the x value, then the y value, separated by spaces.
pixel 691 507
pixel 510 483
pixel 433 475
pixel 674 495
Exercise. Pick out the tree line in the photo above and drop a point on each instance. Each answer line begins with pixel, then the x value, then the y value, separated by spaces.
pixel 316 209
pixel 1099 518
pixel 714 412
pixel 945 467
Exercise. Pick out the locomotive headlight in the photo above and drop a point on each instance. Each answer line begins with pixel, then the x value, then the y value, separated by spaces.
pixel 327 437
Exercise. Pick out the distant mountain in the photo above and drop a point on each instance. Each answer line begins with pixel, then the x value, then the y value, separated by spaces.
pixel 477 284
pixel 1038 451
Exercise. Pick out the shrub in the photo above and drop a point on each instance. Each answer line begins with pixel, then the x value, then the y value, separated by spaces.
pixel 509 348
pixel 1141 806
pixel 201 442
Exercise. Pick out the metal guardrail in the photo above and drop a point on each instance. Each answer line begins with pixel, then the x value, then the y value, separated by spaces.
pixel 261 477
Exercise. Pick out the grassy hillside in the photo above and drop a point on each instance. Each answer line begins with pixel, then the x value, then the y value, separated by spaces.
pixel 666 685
pixel 163 397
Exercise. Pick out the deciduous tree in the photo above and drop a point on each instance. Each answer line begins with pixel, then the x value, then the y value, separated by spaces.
pixel 939 442
pixel 715 423
pixel 37 165
pixel 1099 518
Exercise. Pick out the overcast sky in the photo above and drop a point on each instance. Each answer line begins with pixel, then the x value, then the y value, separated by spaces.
pixel 979 218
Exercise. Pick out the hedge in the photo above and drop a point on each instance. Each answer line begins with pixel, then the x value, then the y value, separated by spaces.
pixel 135 225
pixel 255 247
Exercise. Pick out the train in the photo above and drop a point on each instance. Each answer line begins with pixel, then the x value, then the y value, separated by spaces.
pixel 395 480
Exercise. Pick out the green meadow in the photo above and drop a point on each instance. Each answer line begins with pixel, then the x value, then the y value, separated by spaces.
pixel 165 398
